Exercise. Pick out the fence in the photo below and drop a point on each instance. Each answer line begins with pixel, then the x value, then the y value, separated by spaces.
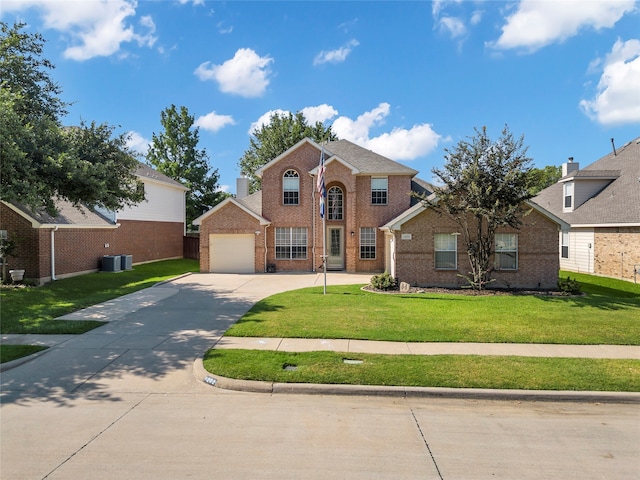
pixel 191 247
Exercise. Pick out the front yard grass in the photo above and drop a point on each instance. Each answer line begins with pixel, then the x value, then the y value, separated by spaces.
pixel 455 371
pixel 608 314
pixel 33 309
pixel 13 352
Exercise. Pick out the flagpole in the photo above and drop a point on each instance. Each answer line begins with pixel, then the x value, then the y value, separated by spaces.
pixel 324 251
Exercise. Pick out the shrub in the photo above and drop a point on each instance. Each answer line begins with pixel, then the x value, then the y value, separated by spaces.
pixel 384 281
pixel 569 286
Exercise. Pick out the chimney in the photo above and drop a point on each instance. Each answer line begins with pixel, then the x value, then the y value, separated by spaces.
pixel 242 187
pixel 570 167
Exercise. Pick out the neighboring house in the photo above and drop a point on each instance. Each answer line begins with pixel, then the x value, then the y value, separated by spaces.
pixel 601 203
pixel 74 241
pixel 372 223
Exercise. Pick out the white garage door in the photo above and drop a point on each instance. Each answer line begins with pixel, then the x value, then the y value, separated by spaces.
pixel 231 253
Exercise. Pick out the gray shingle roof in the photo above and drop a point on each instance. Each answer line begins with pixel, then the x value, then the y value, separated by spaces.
pixel 67 215
pixel 366 161
pixel 617 203
pixel 145 171
pixel 253 202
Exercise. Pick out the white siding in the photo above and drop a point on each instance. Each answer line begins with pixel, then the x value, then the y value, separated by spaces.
pixel 586 189
pixel 163 203
pixel 580 251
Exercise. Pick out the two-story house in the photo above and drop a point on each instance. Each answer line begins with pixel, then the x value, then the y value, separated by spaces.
pixel 601 203
pixel 75 241
pixel 371 224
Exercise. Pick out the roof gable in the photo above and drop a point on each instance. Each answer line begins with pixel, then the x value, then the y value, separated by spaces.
pixel 617 203
pixel 231 201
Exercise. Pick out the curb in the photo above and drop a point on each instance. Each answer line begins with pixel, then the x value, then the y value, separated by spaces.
pixel 22 360
pixel 410 392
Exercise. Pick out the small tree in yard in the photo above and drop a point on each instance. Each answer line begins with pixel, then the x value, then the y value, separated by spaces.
pixel 483 186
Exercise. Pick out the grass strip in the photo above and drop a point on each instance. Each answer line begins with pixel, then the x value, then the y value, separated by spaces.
pixel 13 352
pixel 455 371
pixel 33 310
pixel 608 314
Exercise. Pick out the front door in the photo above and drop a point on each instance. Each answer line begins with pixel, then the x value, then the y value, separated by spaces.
pixel 335 248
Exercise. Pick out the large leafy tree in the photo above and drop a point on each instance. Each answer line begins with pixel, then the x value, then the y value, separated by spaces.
pixel 483 186
pixel 40 160
pixel 541 178
pixel 281 133
pixel 175 153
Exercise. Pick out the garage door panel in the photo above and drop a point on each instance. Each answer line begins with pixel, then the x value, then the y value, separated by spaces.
pixel 232 253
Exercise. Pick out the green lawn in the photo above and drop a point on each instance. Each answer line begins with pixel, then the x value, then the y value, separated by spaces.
pixel 608 314
pixel 456 371
pixel 33 310
pixel 13 352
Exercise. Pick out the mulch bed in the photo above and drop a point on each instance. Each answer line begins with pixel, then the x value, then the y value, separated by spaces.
pixel 469 291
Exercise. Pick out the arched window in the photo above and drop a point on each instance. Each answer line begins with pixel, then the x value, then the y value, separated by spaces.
pixel 335 203
pixel 290 188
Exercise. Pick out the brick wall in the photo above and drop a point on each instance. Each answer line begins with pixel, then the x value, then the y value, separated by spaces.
pixel 538 259
pixel 80 250
pixel 617 251
pixel 230 219
pixel 358 210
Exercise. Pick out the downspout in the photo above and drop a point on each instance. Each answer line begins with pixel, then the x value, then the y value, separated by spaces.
pixel 53 253
pixel 265 246
pixel 313 227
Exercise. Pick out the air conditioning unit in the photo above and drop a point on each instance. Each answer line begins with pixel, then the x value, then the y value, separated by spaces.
pixel 111 263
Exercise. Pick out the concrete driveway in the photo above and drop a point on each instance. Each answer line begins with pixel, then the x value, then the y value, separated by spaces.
pixel 121 401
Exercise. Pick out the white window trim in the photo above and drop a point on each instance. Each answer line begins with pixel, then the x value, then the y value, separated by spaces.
pixel 385 190
pixel 285 189
pixel 436 250
pixel 506 251
pixel 290 242
pixel 363 237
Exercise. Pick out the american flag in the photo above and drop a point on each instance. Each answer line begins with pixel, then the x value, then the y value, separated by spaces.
pixel 320 183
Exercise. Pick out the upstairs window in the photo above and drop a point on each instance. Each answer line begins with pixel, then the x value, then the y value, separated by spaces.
pixel 367 243
pixel 290 188
pixel 335 201
pixel 379 190
pixel 446 251
pixel 506 251
pixel 568 196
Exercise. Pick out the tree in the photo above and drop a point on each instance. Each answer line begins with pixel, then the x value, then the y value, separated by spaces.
pixel 484 185
pixel 541 178
pixel 269 141
pixel 175 153
pixel 40 160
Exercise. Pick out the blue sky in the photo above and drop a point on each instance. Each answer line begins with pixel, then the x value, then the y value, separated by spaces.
pixel 404 79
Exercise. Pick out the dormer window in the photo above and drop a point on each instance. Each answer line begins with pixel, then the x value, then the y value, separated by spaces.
pixel 290 188
pixel 568 197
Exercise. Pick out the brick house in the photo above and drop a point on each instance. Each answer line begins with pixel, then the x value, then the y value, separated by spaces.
pixel 601 204
pixel 373 224
pixel 74 242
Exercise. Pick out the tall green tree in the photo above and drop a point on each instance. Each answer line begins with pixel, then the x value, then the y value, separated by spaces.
pixel 483 185
pixel 175 153
pixel 41 161
pixel 269 141
pixel 541 178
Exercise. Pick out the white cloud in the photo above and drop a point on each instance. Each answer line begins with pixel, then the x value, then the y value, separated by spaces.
pixel 399 144
pixel 138 143
pixel 246 74
pixel 536 24
pixel 618 98
pixel 265 119
pixel 213 122
pixel 454 26
pixel 320 113
pixel 336 56
pixel 95 28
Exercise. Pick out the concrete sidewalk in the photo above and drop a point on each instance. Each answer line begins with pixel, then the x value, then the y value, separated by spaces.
pixel 430 348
